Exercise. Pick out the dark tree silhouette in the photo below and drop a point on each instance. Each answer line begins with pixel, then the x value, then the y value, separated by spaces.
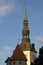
pixel 39 60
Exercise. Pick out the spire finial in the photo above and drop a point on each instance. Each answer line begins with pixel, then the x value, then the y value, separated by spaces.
pixel 25 14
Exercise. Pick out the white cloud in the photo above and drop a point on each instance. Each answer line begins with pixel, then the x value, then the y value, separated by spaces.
pixel 39 39
pixel 7 48
pixel 5 7
pixel 1 53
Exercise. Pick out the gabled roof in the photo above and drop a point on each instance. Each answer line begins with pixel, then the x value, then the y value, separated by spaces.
pixel 18 54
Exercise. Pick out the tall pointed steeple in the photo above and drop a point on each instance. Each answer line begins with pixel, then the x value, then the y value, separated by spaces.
pixel 25 13
pixel 25 44
pixel 25 30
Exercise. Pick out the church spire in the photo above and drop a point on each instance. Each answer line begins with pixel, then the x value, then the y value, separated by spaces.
pixel 25 43
pixel 25 13
pixel 25 30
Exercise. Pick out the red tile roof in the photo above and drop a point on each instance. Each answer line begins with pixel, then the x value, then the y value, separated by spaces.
pixel 18 54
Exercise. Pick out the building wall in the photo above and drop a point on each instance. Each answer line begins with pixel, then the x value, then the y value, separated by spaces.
pixel 31 56
pixel 18 63
pixel 27 54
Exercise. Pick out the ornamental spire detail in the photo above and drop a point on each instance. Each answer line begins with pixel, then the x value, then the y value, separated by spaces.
pixel 25 30
pixel 25 43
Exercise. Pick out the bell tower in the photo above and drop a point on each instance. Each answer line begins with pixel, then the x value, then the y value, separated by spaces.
pixel 25 52
pixel 25 43
pixel 25 30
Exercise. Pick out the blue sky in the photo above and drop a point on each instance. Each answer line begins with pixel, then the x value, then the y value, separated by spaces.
pixel 11 19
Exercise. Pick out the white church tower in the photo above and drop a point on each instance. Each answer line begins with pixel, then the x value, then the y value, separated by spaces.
pixel 27 47
pixel 24 53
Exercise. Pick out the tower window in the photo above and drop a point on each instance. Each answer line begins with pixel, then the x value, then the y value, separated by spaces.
pixel 14 62
pixel 19 62
pixel 25 44
pixel 26 34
